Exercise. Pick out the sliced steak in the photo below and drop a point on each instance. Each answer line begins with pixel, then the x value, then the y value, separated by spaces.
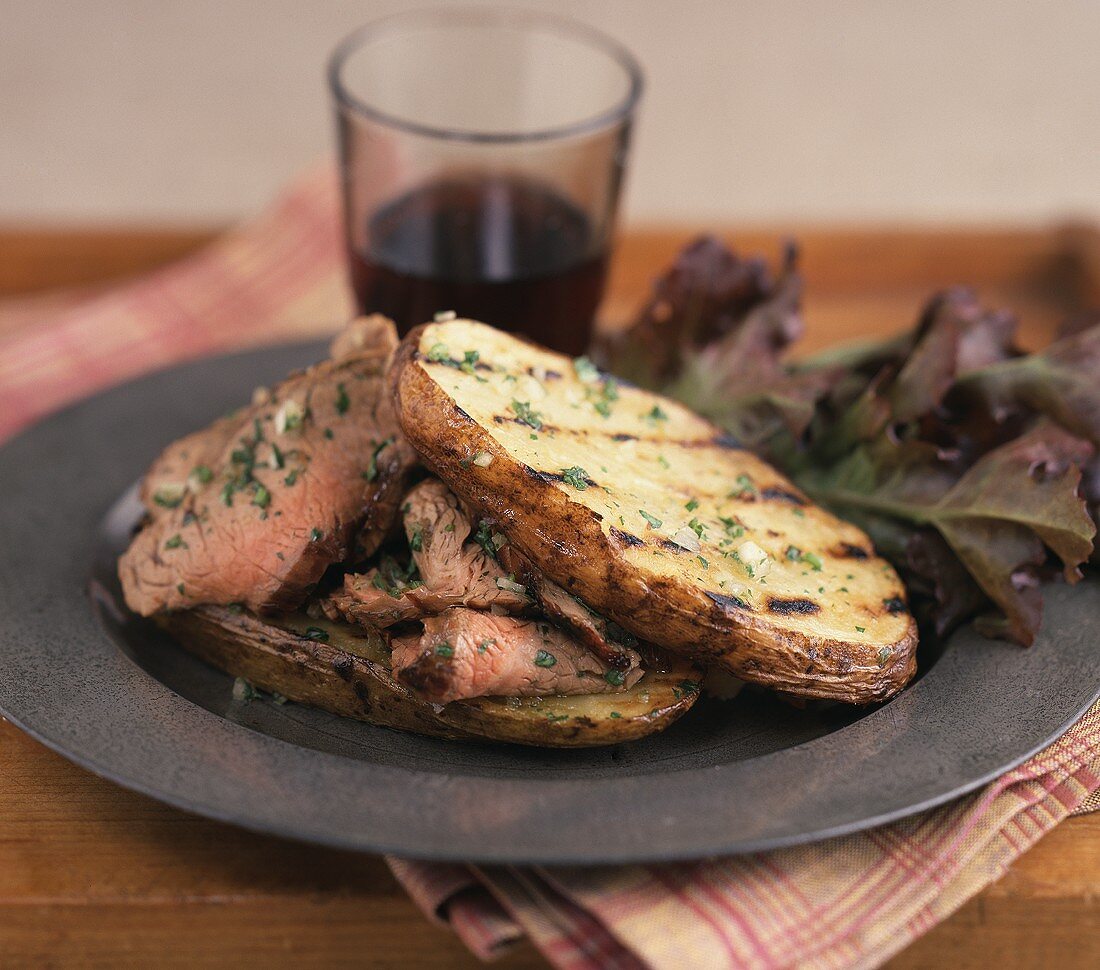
pixel 451 570
pixel 276 492
pixel 607 640
pixel 466 653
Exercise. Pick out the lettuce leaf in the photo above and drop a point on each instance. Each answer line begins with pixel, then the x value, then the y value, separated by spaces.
pixel 959 455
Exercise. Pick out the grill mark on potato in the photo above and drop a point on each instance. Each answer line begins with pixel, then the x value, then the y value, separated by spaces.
pixel 788 607
pixel 343 667
pixel 728 602
pixel 558 477
pixel 463 414
pixel 545 477
pixel 782 495
pixel 362 691
pixel 626 538
pixel 848 551
pixel 618 436
pixel 672 546
pixel 546 375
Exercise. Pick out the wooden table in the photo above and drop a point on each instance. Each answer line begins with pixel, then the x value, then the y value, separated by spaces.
pixel 91 875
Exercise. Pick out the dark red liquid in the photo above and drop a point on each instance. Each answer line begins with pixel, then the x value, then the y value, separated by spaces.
pixel 508 252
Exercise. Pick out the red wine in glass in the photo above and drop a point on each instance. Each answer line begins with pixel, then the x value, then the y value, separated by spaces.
pixel 508 251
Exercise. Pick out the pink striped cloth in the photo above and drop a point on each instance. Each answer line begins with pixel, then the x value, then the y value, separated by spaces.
pixel 847 902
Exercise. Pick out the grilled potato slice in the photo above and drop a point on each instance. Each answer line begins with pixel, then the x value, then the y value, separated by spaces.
pixel 345 669
pixel 651 516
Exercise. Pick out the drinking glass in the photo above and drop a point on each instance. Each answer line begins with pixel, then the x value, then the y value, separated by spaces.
pixel 482 152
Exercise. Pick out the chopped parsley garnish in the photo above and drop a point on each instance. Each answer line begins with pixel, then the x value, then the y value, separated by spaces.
pixel 544 658
pixel 277 460
pixel 469 361
pixel 691 505
pixel 861 629
pixel 328 434
pixel 179 589
pixel 315 633
pixel 437 353
pixel 883 656
pixel 734 529
pixel 524 414
pixel 315 534
pixel 202 474
pixel 813 561
pixel 663 462
pixel 176 542
pixel 485 645
pixel 655 415
pixel 654 522
pixel 794 554
pixel 292 477
pixel 262 498
pixel 489 540
pixel 706 564
pixel 575 476
pixel 343 402
pixel 609 393
pixel 416 541
pixel 372 469
pixel 587 372
pixel 615 678
pixel 614 714
pixel 697 527
pixel 444 650
pixel 746 488
pixel 553 718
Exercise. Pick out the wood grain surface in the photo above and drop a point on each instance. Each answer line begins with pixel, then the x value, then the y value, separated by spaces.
pixel 95 876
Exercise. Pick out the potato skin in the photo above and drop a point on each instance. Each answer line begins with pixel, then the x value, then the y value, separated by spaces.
pixel 348 674
pixel 566 541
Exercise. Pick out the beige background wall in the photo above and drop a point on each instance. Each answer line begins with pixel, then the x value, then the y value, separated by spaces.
pixel 864 110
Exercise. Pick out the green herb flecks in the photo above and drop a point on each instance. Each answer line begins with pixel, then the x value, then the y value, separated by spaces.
pixel 343 402
pixel 746 488
pixel 176 542
pixel 654 522
pixel 615 678
pixel 575 476
pixel 372 468
pixel 544 658
pixel 525 415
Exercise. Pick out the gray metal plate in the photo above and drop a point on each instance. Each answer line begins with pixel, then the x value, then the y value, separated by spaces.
pixel 114 695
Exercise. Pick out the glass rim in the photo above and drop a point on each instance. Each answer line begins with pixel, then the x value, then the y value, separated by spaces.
pixel 526 19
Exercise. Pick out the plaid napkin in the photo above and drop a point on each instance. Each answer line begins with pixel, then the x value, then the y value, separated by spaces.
pixel 847 902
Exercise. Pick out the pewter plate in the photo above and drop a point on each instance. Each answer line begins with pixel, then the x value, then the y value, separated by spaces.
pixel 117 697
